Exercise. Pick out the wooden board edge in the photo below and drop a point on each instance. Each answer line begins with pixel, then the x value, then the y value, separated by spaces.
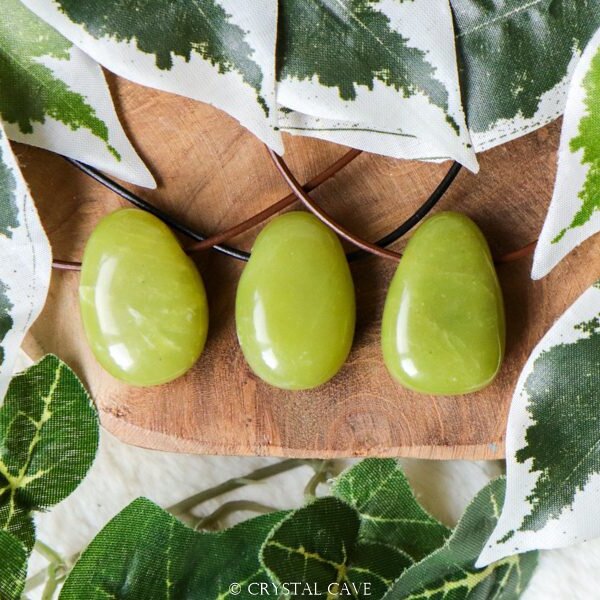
pixel 156 440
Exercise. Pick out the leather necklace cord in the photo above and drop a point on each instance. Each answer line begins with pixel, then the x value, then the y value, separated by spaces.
pixel 308 202
pixel 517 254
pixel 284 203
pixel 216 242
pixel 203 242
pixel 298 192
pixel 364 245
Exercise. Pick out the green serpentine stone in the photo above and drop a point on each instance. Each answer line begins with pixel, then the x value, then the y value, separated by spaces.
pixel 143 302
pixel 443 324
pixel 295 305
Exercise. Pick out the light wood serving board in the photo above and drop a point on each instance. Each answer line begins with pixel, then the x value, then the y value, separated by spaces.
pixel 212 174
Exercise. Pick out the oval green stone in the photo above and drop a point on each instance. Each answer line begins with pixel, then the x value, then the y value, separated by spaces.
pixel 142 300
pixel 443 324
pixel 295 307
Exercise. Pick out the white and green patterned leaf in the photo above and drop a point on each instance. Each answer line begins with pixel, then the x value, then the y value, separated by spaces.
pixel 318 546
pixel 387 141
pixel 217 51
pixel 516 60
pixel 553 440
pixel 450 572
pixel 388 510
pixel 144 553
pixel 54 96
pixel 48 441
pixel 574 213
pixel 354 69
pixel 25 265
pixel 13 566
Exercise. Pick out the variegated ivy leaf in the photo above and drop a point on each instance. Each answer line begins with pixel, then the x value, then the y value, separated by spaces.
pixel 8 198
pixel 13 566
pixel 145 553
pixel 553 440
pixel 573 215
pixel 368 67
pixel 54 96
pixel 25 264
pixel 516 60
pixel 317 549
pixel 217 51
pixel 48 440
pixel 450 572
pixel 388 141
pixel 6 321
pixel 389 512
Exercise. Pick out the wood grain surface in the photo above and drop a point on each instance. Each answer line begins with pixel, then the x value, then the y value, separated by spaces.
pixel 212 174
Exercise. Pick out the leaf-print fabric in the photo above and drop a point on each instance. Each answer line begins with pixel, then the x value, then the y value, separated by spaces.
pixel 25 264
pixel 553 440
pixel 516 60
pixel 574 213
pixel 217 51
pixel 54 96
pixel 380 75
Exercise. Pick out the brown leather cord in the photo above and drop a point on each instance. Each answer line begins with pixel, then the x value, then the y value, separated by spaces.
pixel 296 188
pixel 253 221
pixel 284 203
pixel 239 254
pixel 66 265
pixel 298 192
pixel 303 196
pixel 517 254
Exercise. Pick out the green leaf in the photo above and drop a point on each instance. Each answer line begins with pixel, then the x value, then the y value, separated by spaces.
pixel 561 392
pixel 217 51
pixel 9 214
pixel 372 569
pixel 26 262
pixel 6 322
pixel 176 29
pixel 365 73
pixel 43 78
pixel 18 522
pixel 573 214
pixel 145 554
pixel 389 512
pixel 48 440
pixel 13 567
pixel 588 141
pixel 553 439
pixel 318 548
pixel 308 46
pixel 30 90
pixel 8 205
pixel 450 572
pixel 313 546
pixel 511 54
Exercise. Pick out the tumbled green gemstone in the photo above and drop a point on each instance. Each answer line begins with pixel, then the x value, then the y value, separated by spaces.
pixel 142 300
pixel 295 307
pixel 443 324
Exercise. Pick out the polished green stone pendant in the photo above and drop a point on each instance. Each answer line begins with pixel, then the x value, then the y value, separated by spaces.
pixel 142 300
pixel 443 329
pixel 295 306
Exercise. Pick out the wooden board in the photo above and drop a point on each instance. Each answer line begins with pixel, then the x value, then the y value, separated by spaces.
pixel 212 174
